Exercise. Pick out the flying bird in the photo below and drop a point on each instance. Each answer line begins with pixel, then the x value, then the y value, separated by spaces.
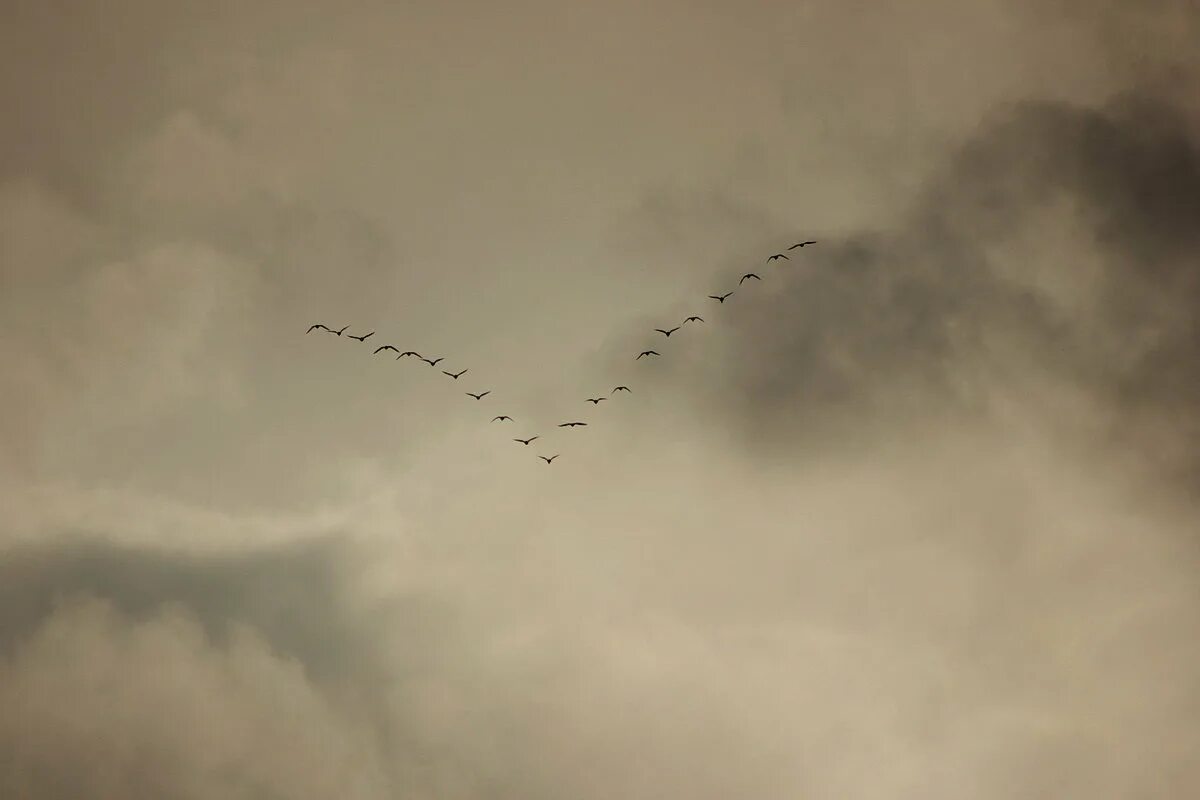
pixel 434 362
pixel 749 275
pixel 595 400
pixel 501 418
pixel 693 319
pixel 318 325
pixel 667 333
pixel 481 395
pixel 455 375
pixel 720 298
pixel 621 389
pixel 363 338
pixel 525 441
pixel 572 424
pixel 647 353
pixel 548 460
pixel 409 353
pixel 339 333
pixel 778 255
pixel 800 244
pixel 380 349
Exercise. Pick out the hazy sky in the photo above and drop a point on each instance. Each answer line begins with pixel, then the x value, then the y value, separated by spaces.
pixel 915 516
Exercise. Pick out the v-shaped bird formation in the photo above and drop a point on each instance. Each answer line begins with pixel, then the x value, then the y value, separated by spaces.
pixel 595 401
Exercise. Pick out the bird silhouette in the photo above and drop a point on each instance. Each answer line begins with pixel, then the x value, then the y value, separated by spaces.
pixel 778 255
pixel 749 275
pixel 720 298
pixel 548 460
pixel 646 353
pixel 801 244
pixel 595 400
pixel 318 325
pixel 381 348
pixel 693 319
pixel 339 333
pixel 455 375
pixel 362 338
pixel 502 418
pixel 434 362
pixel 572 424
pixel 621 389
pixel 667 333
pixel 481 395
pixel 408 353
pixel 525 441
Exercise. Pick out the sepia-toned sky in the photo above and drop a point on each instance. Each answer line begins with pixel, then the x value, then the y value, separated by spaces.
pixel 915 516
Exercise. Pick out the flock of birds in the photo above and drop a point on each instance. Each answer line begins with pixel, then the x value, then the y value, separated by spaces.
pixel 502 418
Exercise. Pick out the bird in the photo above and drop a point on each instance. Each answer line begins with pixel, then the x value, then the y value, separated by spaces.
pixel 572 424
pixel 595 400
pixel 338 333
pixel 481 395
pixel 455 375
pixel 434 362
pixel 525 441
pixel 318 325
pixel 800 244
pixel 778 255
pixel 380 349
pixel 549 459
pixel 667 333
pixel 408 353
pixel 646 353
pixel 501 418
pixel 621 389
pixel 749 275
pixel 693 319
pixel 720 298
pixel 363 338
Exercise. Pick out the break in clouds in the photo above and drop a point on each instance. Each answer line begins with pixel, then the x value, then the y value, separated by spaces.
pixel 914 516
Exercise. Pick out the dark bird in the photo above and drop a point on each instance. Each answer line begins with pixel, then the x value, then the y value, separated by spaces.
pixel 749 275
pixel 481 395
pixel 595 400
pixel 778 255
pixel 646 353
pixel 693 319
pixel 800 244
pixel 455 375
pixel 572 424
pixel 379 350
pixel 720 298
pixel 525 441
pixel 408 353
pixel 501 418
pixel 621 389
pixel 318 325
pixel 549 459
pixel 339 333
pixel 363 338
pixel 434 362
pixel 667 333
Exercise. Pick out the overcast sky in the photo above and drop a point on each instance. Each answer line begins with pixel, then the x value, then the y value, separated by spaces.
pixel 913 516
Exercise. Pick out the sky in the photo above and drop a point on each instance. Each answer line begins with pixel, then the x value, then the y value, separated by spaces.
pixel 913 516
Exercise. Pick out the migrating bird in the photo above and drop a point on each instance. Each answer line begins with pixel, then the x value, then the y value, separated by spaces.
pixel 621 389
pixel 548 460
pixel 595 400
pixel 525 441
pixel 455 375
pixel 572 424
pixel 749 275
pixel 379 350
pixel 481 395
pixel 778 255
pixel 409 353
pixel 667 333
pixel 434 362
pixel 800 244
pixel 318 325
pixel 501 418
pixel 647 353
pixel 692 319
pixel 720 298
pixel 363 338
